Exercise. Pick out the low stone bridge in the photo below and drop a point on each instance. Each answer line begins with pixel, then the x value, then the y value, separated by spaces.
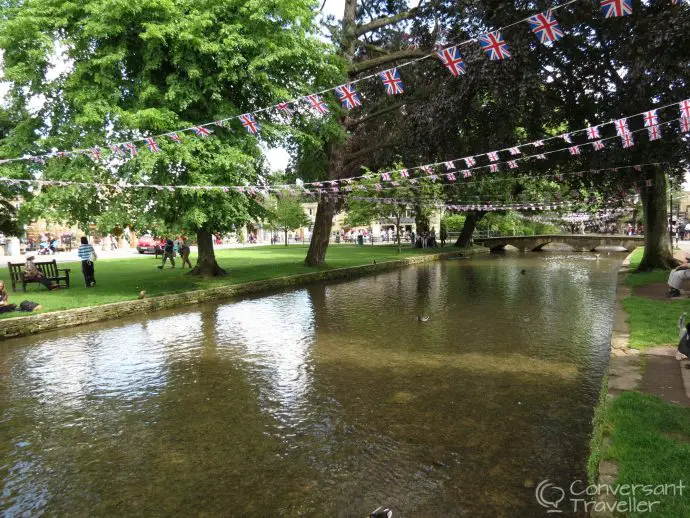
pixel 579 243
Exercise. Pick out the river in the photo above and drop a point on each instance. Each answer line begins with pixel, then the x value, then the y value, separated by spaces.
pixel 328 400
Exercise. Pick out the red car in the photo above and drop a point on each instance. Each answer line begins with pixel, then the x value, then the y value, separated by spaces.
pixel 149 245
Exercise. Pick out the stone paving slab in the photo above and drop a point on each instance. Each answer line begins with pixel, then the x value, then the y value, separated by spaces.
pixel 663 376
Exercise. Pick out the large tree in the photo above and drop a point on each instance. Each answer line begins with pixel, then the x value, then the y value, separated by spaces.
pixel 115 71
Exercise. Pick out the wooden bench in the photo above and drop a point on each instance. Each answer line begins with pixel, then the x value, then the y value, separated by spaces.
pixel 49 270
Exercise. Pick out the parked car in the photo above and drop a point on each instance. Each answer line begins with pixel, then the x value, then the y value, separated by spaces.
pixel 150 245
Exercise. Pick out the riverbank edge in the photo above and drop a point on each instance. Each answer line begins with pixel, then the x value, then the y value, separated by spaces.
pixel 624 373
pixel 28 325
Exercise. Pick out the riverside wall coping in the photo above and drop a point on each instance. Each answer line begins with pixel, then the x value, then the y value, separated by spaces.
pixel 22 326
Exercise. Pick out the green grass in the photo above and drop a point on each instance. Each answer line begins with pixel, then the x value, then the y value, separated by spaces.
pixel 599 430
pixel 650 439
pixel 653 322
pixel 123 279
pixel 635 279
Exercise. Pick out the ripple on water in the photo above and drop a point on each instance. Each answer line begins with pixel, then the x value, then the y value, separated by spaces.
pixel 332 399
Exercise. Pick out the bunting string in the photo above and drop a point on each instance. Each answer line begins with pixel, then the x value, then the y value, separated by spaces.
pixel 545 27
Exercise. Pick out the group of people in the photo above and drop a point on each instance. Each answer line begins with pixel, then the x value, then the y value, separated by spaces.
pixel 172 248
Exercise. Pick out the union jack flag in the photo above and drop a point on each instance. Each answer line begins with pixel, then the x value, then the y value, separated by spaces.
pixel 514 151
pixel 132 149
pixel 316 103
pixel 175 138
pixel 598 144
pixel 117 150
pixel 685 109
pixel 285 108
pixel 650 118
pixel 567 138
pixel 466 174
pixel 404 173
pixel 622 127
pixel 613 8
pixel 575 150
pixel 62 154
pixel 451 177
pixel 433 177
pixel 493 168
pixel 545 26
pixel 512 164
pixel 391 78
pixel 627 140
pixel 348 97
pixel 685 124
pixel 386 177
pixel 96 153
pixel 540 156
pixel 593 132
pixel 453 60
pixel 654 132
pixel 249 123
pixel 152 145
pixel 200 131
pixel 538 143
pixel 219 123
pixel 493 155
pixel 427 169
pixel 494 45
pixel 377 186
pixel 449 165
pixel 470 161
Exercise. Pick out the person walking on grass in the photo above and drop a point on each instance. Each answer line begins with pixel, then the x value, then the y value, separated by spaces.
pixel 168 253
pixel 185 251
pixel 87 255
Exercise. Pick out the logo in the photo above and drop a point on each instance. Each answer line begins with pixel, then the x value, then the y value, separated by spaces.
pixel 549 495
pixel 618 499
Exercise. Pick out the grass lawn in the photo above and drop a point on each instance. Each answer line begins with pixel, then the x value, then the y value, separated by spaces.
pixel 650 439
pixel 652 322
pixel 123 279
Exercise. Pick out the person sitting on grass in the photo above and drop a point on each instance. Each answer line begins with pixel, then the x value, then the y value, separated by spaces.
pixel 676 278
pixel 6 307
pixel 168 253
pixel 32 273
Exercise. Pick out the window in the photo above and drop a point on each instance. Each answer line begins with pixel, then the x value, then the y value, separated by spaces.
pixel 310 212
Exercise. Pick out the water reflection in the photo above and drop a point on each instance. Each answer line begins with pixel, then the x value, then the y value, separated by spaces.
pixel 327 400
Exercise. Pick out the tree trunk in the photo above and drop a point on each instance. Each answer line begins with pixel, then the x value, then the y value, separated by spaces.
pixel 421 223
pixel 323 222
pixel 206 264
pixel 471 221
pixel 657 243
pixel 286 237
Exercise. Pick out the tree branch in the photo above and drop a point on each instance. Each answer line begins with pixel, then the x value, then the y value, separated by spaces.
pixel 353 123
pixel 361 66
pixel 383 22
pixel 368 150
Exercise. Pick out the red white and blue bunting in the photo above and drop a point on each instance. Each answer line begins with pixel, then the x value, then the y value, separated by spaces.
pixel 544 25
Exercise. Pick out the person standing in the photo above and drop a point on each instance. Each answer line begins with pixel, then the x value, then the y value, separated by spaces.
pixel 87 255
pixel 168 253
pixel 185 251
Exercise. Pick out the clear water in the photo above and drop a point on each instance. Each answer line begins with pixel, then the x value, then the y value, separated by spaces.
pixel 325 401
